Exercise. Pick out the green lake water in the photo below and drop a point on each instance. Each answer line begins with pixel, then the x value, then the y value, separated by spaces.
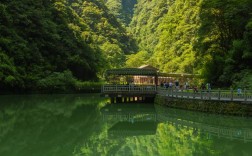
pixel 83 125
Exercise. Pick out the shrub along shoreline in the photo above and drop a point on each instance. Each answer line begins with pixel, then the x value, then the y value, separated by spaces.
pixel 77 87
pixel 217 107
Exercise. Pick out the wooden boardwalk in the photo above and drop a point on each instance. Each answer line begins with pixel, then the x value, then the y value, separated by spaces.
pixel 129 93
pixel 214 95
pixel 151 90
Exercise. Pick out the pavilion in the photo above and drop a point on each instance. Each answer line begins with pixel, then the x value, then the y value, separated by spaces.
pixel 145 75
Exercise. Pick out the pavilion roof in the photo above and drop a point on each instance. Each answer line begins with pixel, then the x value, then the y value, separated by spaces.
pixel 132 71
pixel 147 70
pixel 186 75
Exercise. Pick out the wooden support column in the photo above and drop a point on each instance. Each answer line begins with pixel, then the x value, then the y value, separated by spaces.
pixel 219 94
pixel 245 95
pixel 112 100
pixel 143 99
pixel 156 80
pixel 119 100
pixel 125 99
pixel 232 94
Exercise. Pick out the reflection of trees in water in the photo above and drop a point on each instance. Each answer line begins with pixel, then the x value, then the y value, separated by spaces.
pixel 218 125
pixel 228 135
pixel 130 119
pixel 126 128
pixel 210 119
pixel 176 133
pixel 124 137
pixel 46 124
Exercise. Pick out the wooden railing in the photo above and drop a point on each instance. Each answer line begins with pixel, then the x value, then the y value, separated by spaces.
pixel 221 95
pixel 129 88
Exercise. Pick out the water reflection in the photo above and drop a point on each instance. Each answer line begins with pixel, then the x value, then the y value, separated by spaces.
pixel 131 119
pixel 213 125
pixel 45 125
pixel 156 130
pixel 143 119
pixel 83 125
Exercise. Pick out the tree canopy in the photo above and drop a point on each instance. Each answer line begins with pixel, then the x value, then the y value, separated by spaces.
pixel 77 40
pixel 39 40
pixel 210 38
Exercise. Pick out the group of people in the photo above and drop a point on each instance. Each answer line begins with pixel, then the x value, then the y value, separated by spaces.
pixel 203 87
pixel 176 85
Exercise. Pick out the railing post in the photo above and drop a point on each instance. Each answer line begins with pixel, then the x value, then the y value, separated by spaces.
pixel 232 94
pixel 201 94
pixel 219 92
pixel 187 93
pixel 209 94
pixel 245 95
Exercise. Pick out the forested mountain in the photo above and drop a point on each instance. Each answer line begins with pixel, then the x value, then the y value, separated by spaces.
pixel 44 44
pixel 122 9
pixel 211 38
pixel 224 42
pixel 48 43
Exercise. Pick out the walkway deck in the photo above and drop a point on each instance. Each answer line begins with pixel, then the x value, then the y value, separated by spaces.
pixel 152 90
pixel 214 95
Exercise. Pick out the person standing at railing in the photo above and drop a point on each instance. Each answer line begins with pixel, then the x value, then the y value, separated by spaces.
pixel 186 85
pixel 195 89
pixel 177 84
pixel 208 90
pixel 131 86
pixel 208 87
pixel 161 84
pixel 166 85
pixel 239 91
pixel 170 85
pixel 202 87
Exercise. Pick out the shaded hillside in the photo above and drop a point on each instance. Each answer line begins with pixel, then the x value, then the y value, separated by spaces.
pixel 57 42
pixel 122 9
pixel 44 44
pixel 211 38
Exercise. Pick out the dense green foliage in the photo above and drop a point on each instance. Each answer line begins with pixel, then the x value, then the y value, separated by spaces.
pixel 58 42
pixel 224 40
pixel 122 9
pixel 211 38
pixel 64 42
